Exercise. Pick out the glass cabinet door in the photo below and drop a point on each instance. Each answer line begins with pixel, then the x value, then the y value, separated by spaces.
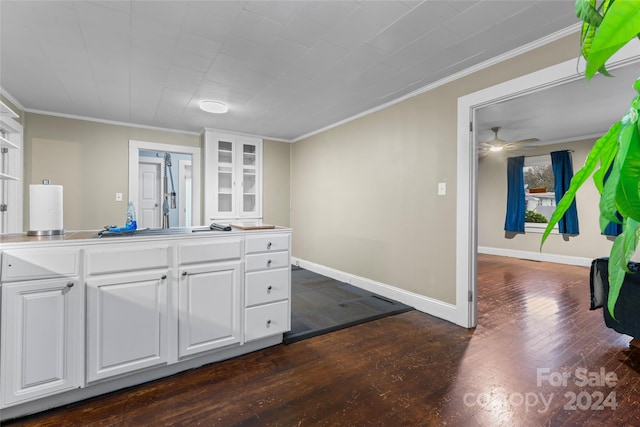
pixel 249 182
pixel 226 181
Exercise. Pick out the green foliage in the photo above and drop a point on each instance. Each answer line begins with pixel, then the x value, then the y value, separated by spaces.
pixel 531 216
pixel 606 28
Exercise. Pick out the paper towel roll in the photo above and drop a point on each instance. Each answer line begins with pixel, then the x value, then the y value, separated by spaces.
pixel 45 209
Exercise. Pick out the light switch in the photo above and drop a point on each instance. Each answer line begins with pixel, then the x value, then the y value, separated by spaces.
pixel 442 188
pixel 118 197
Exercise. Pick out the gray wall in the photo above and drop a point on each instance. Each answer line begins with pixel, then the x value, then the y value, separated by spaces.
pixel 363 197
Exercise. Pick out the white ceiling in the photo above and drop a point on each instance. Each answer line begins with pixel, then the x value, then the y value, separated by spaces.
pixel 285 68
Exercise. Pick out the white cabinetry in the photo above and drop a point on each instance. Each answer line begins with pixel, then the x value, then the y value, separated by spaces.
pixel 233 176
pixel 209 295
pixel 10 171
pixel 41 334
pixel 126 309
pixel 267 286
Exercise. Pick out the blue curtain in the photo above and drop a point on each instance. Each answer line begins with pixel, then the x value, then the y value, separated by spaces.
pixel 514 220
pixel 613 228
pixel 562 173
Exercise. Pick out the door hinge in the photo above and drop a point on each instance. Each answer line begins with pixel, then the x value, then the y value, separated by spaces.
pixel 470 126
pixel 470 296
pixel 3 207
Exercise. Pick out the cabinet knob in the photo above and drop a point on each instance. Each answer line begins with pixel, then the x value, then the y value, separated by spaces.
pixel 269 245
pixel 184 274
pixel 269 263
pixel 164 276
pixel 269 288
pixel 268 323
pixel 70 285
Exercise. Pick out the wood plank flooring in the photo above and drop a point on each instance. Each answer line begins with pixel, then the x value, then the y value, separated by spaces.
pixel 411 369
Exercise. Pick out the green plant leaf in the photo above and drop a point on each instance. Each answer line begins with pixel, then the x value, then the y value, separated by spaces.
pixel 627 197
pixel 586 11
pixel 603 143
pixel 616 273
pixel 619 25
pixel 607 156
pixel 607 204
pixel 622 250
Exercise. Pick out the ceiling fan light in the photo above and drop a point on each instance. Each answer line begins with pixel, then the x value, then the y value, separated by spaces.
pixel 214 107
pixel 496 148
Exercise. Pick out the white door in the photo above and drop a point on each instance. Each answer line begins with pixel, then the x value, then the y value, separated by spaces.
pixel 208 299
pixel 40 328
pixel 126 323
pixel 149 204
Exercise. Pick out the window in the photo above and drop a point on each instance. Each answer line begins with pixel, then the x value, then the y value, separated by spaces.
pixel 539 192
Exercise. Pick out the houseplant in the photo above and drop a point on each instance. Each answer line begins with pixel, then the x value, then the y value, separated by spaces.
pixel 607 26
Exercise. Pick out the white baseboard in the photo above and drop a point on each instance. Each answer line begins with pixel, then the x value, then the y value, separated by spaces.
pixel 421 303
pixel 536 256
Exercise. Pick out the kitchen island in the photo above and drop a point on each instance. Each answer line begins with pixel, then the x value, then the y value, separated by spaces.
pixel 83 315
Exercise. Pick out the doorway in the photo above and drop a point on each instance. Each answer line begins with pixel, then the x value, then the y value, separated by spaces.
pixel 467 164
pixel 187 211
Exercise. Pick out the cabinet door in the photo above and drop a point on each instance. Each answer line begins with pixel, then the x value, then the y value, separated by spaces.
pixel 233 176
pixel 209 303
pixel 249 152
pixel 40 330
pixel 126 323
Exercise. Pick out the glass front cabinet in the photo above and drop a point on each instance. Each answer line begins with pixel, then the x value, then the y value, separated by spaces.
pixel 233 176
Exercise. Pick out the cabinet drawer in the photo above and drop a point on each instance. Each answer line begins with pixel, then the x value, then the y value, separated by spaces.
pixel 27 264
pixel 265 320
pixel 127 258
pixel 266 286
pixel 268 261
pixel 224 249
pixel 269 243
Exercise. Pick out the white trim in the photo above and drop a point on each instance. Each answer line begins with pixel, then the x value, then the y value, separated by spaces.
pixel 478 67
pixel 421 303
pixel 466 221
pixel 11 98
pixel 536 256
pixel 136 146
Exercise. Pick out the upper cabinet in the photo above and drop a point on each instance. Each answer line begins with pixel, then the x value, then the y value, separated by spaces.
pixel 232 176
pixel 10 171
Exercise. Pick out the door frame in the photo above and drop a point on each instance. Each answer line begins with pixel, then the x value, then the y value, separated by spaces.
pixel 467 165
pixel 134 151
pixel 182 166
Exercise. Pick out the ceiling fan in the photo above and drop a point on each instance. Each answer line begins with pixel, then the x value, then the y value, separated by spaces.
pixel 497 144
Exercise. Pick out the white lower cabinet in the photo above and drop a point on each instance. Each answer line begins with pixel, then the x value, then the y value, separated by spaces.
pixel 40 338
pixel 126 323
pixel 79 319
pixel 209 303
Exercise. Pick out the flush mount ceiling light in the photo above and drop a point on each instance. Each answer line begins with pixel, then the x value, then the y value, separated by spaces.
pixel 214 107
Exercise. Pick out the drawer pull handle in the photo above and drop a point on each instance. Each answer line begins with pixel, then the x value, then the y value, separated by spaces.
pixel 269 245
pixel 164 276
pixel 268 323
pixel 70 285
pixel 269 263
pixel 269 288
pixel 184 274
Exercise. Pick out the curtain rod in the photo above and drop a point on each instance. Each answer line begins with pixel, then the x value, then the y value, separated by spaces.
pixel 538 155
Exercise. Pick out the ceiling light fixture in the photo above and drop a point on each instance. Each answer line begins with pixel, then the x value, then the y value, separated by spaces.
pixel 496 148
pixel 214 107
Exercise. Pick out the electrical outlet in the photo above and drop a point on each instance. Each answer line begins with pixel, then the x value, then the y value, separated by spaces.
pixel 118 197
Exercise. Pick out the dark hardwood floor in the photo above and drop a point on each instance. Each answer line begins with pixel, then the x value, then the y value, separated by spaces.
pixel 412 369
